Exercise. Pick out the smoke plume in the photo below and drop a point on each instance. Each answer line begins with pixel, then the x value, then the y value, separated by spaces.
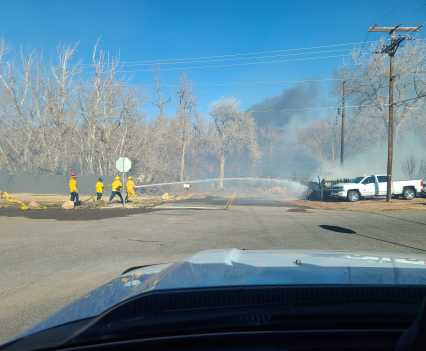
pixel 278 110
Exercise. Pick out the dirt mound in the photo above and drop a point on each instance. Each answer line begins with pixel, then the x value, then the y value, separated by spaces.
pixel 34 205
pixel 68 205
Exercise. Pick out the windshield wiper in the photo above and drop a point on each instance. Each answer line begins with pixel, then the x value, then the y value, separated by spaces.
pixel 128 270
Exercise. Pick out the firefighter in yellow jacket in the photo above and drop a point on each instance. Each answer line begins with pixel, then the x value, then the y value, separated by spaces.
pixel 130 188
pixel 116 189
pixel 99 189
pixel 73 188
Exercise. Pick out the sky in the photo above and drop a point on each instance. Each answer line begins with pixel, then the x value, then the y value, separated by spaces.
pixel 213 34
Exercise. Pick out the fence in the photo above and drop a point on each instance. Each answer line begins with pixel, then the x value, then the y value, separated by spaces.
pixel 48 184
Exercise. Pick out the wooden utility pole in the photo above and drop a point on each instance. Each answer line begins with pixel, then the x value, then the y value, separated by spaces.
pixel 390 49
pixel 342 126
pixel 336 135
pixel 391 125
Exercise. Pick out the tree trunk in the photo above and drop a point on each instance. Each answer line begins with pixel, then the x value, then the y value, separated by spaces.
pixel 182 162
pixel 221 169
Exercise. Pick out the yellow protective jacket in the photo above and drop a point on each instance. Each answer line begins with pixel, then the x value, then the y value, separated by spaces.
pixel 130 187
pixel 72 184
pixel 99 187
pixel 116 185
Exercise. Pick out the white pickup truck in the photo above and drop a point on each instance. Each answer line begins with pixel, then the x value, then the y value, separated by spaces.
pixel 374 186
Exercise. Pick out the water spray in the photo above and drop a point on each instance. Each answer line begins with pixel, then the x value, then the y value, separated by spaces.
pixel 212 180
pixel 294 189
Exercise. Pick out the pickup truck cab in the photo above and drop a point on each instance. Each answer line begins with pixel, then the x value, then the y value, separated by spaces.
pixel 375 186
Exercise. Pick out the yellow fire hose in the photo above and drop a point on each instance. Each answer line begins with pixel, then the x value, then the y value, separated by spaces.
pixel 11 200
pixel 21 204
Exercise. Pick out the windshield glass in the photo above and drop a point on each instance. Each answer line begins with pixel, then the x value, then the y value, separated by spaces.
pixel 356 180
pixel 142 132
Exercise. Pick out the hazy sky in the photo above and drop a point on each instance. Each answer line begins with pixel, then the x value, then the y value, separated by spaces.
pixel 142 31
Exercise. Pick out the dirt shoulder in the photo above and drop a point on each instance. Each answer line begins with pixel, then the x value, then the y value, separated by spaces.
pixel 150 201
pixel 58 199
pixel 418 204
pixel 49 206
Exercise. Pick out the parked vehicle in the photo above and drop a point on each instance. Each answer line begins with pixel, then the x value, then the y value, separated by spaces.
pixel 231 299
pixel 375 186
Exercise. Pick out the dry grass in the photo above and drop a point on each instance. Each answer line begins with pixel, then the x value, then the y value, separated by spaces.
pixel 366 205
pixel 42 198
pixel 148 201
pixel 56 200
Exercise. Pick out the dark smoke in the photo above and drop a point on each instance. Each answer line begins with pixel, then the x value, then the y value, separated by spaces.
pixel 277 111
pixel 279 120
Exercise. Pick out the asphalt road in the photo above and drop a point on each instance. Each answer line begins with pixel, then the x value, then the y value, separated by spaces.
pixel 46 263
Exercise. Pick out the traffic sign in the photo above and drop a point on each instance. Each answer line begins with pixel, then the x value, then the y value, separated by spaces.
pixel 123 164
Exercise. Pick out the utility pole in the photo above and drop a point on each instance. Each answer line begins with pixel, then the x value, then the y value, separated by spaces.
pixel 391 49
pixel 391 125
pixel 342 127
pixel 336 135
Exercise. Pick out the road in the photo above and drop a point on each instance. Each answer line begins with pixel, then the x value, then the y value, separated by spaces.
pixel 46 263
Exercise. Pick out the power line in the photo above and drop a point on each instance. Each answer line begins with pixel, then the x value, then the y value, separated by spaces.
pixel 248 83
pixel 242 83
pixel 341 50
pixel 411 99
pixel 253 53
pixel 273 82
pixel 236 64
pixel 279 82
pixel 244 54
pixel 310 108
pixel 254 83
pixel 334 106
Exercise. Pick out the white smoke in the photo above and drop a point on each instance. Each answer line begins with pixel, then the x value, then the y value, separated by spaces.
pixel 410 148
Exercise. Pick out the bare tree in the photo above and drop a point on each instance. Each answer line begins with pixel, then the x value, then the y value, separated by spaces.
pixel 185 107
pixel 410 167
pixel 58 117
pixel 159 100
pixel 422 169
pixel 319 138
pixel 368 83
pixel 366 88
pixel 235 130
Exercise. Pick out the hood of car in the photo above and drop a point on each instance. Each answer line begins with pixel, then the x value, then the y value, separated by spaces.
pixel 234 267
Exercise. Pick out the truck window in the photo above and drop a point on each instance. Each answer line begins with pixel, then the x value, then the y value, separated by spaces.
pixel 356 180
pixel 369 180
pixel 382 179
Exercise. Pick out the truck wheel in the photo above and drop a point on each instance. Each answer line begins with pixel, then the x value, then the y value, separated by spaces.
pixel 353 195
pixel 409 193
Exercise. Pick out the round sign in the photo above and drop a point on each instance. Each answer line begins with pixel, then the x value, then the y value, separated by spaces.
pixel 123 164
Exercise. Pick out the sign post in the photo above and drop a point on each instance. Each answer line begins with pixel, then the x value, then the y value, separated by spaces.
pixel 123 165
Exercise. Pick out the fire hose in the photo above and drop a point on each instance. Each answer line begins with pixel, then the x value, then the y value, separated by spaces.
pixel 11 200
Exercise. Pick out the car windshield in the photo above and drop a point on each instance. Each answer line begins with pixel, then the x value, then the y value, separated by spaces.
pixel 142 132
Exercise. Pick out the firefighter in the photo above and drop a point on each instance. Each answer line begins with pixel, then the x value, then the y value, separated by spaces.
pixel 116 189
pixel 99 189
pixel 130 188
pixel 73 187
